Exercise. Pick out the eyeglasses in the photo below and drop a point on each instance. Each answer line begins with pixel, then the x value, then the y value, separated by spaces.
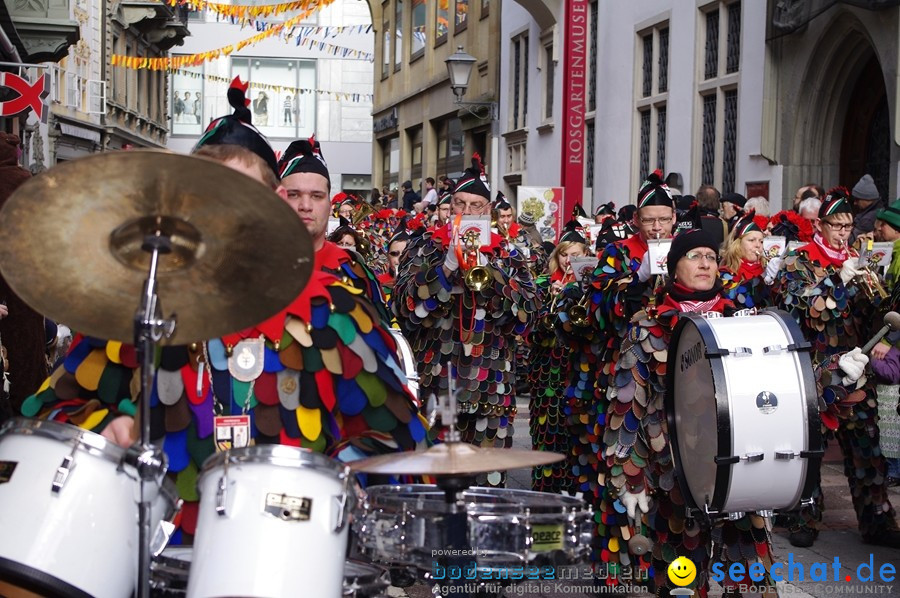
pixel 666 220
pixel 475 206
pixel 838 226
pixel 693 256
pixel 394 253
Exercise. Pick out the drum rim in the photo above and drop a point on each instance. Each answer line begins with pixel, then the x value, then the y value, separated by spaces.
pixel 390 494
pixel 91 442
pixel 275 454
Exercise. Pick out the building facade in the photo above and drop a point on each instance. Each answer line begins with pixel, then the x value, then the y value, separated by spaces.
pixel 316 80
pixel 754 97
pixel 419 129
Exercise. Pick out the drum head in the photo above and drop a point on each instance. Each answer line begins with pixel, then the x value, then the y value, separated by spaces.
pixel 699 425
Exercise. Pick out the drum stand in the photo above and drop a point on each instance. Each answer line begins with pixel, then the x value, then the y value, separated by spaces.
pixel 150 461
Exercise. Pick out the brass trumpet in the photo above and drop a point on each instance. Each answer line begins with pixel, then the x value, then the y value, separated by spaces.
pixel 578 313
pixel 477 277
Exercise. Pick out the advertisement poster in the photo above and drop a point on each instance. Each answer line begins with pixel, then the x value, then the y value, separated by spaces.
pixel 545 204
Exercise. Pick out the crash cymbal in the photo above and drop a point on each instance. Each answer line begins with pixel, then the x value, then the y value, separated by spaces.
pixel 72 236
pixel 454 458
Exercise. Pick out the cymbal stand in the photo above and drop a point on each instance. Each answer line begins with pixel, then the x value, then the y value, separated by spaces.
pixel 151 462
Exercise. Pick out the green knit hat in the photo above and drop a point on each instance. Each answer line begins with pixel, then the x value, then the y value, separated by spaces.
pixel 891 214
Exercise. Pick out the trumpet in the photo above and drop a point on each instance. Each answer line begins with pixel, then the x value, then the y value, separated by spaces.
pixel 578 313
pixel 868 280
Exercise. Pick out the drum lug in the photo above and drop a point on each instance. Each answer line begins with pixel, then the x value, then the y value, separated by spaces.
pixel 786 455
pixel 753 457
pixel 735 515
pixel 766 513
pixel 222 496
pixel 774 349
pixel 63 472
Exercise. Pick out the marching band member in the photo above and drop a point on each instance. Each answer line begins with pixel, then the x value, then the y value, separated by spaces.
pixel 464 305
pixel 323 373
pixel 548 368
pixel 824 288
pixel 443 209
pixel 505 217
pixel 637 451
pixel 742 270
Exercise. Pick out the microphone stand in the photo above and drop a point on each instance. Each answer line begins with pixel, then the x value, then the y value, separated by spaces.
pixel 151 462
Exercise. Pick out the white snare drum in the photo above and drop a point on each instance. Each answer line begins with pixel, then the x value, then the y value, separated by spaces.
pixel 742 411
pixel 402 525
pixel 170 572
pixel 407 361
pixel 272 522
pixel 69 511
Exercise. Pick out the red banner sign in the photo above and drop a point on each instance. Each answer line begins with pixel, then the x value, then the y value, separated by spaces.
pixel 575 68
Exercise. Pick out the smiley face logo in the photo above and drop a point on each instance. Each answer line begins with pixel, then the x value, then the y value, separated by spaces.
pixel 682 571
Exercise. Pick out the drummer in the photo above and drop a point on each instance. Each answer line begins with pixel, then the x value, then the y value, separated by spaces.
pixel 306 183
pixel 822 286
pixel 323 374
pixel 446 320
pixel 638 455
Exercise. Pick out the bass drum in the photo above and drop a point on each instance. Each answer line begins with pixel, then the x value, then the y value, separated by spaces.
pixel 407 361
pixel 742 411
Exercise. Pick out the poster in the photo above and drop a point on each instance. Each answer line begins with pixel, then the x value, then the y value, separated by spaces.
pixel 545 204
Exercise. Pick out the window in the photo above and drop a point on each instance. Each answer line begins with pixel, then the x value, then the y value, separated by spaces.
pixel 186 104
pixel 519 81
pixel 398 34
pixel 417 43
pixel 390 155
pixel 652 98
pixel 462 14
pixel 441 21
pixel 450 148
pixel 386 48
pixel 278 107
pixel 549 74
pixel 718 95
pixel 415 141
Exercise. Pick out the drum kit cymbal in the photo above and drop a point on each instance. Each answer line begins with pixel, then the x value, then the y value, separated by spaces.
pixel 106 243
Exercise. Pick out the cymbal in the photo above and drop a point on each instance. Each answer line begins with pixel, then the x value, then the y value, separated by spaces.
pixel 454 458
pixel 72 236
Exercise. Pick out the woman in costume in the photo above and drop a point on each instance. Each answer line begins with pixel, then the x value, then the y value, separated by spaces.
pixel 742 269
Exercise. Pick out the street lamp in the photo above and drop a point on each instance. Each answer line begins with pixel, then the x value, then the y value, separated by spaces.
pixel 459 66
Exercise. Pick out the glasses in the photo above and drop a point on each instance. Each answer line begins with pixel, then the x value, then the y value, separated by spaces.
pixel 693 256
pixel 838 227
pixel 666 220
pixel 475 206
pixel 394 253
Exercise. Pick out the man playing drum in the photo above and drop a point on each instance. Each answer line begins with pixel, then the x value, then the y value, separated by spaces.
pixel 323 374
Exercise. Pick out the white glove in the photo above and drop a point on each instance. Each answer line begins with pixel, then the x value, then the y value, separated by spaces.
pixel 644 271
pixel 451 262
pixel 632 501
pixel 849 270
pixel 772 269
pixel 853 364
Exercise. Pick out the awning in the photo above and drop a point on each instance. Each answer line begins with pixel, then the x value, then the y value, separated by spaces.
pixel 80 132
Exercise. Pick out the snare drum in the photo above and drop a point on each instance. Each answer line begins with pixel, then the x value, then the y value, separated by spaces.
pixel 403 525
pixel 69 511
pixel 272 522
pixel 742 411
pixel 407 361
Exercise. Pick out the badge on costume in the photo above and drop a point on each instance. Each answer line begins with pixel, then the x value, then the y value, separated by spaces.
pixel 232 431
pixel 658 253
pixel 246 360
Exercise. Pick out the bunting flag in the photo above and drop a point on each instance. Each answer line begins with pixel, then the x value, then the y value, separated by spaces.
pixel 336 95
pixel 246 11
pixel 341 51
pixel 176 62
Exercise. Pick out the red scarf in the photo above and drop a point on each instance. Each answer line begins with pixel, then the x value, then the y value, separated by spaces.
pixel 748 270
pixel 716 303
pixel 836 256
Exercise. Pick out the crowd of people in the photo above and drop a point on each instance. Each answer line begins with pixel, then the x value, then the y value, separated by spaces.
pixel 589 348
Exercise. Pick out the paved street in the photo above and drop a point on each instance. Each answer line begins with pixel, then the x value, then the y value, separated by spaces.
pixel 839 538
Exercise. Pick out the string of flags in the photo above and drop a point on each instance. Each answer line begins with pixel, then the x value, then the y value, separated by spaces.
pixel 245 11
pixel 181 61
pixel 335 95
pixel 341 51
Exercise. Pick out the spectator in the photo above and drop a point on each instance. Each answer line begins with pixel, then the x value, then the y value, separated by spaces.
pixel 410 197
pixel 809 209
pixel 732 207
pixel 866 204
pixel 708 199
pixel 758 204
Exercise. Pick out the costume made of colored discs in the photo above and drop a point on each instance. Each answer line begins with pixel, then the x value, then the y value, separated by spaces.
pixel 746 286
pixel 325 376
pixel 833 317
pixel 445 321
pixel 546 407
pixel 638 455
